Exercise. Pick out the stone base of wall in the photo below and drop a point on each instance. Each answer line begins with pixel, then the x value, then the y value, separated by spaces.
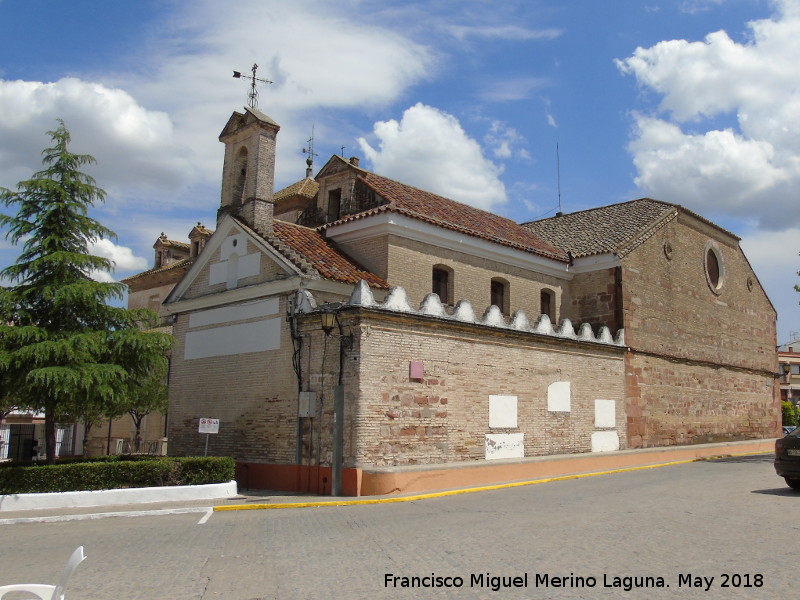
pixel 429 478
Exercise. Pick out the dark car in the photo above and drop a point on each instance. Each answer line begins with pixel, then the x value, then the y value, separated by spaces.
pixel 787 458
pixel 787 429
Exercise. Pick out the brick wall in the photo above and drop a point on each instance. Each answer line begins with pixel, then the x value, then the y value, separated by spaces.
pixel 254 395
pixel 389 418
pixel 443 417
pixel 409 264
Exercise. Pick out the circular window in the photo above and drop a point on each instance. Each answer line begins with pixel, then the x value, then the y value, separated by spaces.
pixel 715 270
pixel 668 251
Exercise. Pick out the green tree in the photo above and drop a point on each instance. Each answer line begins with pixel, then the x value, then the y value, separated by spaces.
pixel 148 395
pixel 790 412
pixel 63 348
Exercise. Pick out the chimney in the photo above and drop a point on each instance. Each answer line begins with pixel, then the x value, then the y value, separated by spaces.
pixel 354 161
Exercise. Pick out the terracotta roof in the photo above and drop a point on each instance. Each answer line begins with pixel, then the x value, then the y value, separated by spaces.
pixel 202 229
pixel 307 247
pixel 617 228
pixel 606 229
pixel 307 188
pixel 171 243
pixel 178 264
pixel 447 213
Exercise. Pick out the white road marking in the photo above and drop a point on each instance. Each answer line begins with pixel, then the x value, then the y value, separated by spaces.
pixel 206 516
pixel 89 517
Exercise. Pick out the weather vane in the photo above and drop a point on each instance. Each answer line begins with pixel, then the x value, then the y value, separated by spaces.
pixel 253 95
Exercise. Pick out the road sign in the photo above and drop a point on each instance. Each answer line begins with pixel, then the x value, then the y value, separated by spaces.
pixel 209 425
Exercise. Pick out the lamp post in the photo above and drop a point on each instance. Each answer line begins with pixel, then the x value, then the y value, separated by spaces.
pixel 328 320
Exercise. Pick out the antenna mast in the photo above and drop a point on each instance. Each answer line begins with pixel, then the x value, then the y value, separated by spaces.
pixel 558 171
pixel 310 153
pixel 252 96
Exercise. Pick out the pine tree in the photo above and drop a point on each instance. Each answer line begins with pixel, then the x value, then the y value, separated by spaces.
pixel 63 348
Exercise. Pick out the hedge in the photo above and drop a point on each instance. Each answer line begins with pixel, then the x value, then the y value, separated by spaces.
pixel 114 473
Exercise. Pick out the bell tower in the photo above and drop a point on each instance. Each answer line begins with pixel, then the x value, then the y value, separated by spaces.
pixel 248 174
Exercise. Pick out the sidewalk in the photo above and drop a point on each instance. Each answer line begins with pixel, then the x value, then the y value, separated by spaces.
pixel 540 470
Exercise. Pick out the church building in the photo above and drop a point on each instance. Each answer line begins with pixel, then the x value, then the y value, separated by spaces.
pixel 351 324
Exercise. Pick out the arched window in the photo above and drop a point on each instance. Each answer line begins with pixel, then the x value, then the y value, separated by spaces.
pixel 547 303
pixel 499 294
pixel 240 175
pixel 442 283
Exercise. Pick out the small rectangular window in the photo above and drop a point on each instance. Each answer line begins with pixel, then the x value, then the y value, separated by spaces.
pixel 546 308
pixel 334 205
pixel 499 295
pixel 441 281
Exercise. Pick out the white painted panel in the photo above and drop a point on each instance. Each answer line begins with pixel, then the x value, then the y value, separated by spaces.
pixel 605 413
pixel 236 312
pixel 502 411
pixel 558 397
pixel 218 273
pixel 605 441
pixel 504 445
pixel 234 339
pixel 249 265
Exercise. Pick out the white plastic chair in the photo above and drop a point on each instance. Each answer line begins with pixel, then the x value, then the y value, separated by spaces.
pixel 49 592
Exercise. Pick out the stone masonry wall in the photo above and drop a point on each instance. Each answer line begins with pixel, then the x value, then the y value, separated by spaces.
pixel 671 310
pixel 594 299
pixel 675 403
pixel 702 361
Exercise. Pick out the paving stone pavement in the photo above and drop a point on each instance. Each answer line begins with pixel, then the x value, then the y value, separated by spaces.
pixel 703 519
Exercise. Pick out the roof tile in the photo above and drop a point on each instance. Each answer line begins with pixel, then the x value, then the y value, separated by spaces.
pixel 322 255
pixel 447 213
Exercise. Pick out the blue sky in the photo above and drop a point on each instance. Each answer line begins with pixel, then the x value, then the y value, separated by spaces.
pixel 688 101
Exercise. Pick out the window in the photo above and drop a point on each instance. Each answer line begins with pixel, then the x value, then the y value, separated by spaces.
pixel 546 303
pixel 712 264
pixel 334 204
pixel 441 282
pixel 714 268
pixel 499 294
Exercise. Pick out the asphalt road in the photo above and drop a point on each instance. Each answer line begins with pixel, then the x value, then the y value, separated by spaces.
pixel 712 529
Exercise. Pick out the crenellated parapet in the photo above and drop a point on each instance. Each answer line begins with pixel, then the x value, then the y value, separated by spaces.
pixel 431 306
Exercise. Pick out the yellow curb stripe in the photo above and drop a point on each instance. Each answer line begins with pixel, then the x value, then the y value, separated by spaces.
pixel 485 488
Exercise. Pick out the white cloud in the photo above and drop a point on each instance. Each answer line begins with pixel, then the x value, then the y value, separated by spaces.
pixel 429 149
pixel 511 90
pixel 135 146
pixel 153 129
pixel 121 257
pixel 318 54
pixel 693 7
pixel 775 257
pixel 737 170
pixel 504 32
pixel 506 142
